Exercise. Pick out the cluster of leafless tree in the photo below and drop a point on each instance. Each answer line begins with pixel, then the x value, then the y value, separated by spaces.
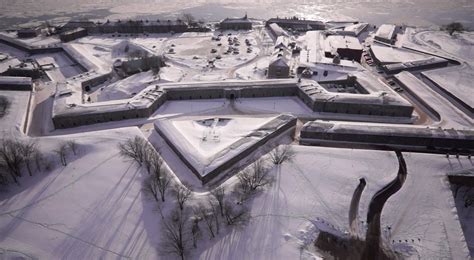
pixel 15 156
pixel 64 148
pixel 281 154
pixel 144 154
pixel 18 155
pixel 453 27
pixel 185 224
pixel 4 106
pixel 188 224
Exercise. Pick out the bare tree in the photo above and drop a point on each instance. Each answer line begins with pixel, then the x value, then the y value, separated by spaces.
pixel 175 235
pixel 188 18
pixel 281 154
pixel 151 158
pixel 134 148
pixel 454 27
pixel 72 144
pixel 254 177
pixel 164 182
pixel 151 185
pixel 196 230
pixel 182 194
pixel 4 106
pixel 61 151
pixel 207 216
pixel 158 183
pixel 234 216
pixel 28 149
pixel 38 159
pixel 219 194
pixel 11 157
pixel 215 213
pixel 3 173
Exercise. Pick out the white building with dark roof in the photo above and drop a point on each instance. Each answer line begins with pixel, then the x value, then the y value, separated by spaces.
pixel 279 66
pixel 236 24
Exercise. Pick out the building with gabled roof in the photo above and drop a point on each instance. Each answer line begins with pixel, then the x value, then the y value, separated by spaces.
pixel 279 66
pixel 297 24
pixel 236 24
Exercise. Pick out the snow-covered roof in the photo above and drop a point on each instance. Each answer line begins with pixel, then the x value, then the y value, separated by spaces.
pixel 282 42
pixel 4 80
pixel 75 30
pixel 414 64
pixel 236 20
pixel 334 42
pixel 6 64
pixel 277 30
pixel 386 31
pixel 379 92
pixel 279 62
pixel 458 81
pixel 388 130
pixel 205 149
pixel 356 28
pixel 351 29
pixel 386 55
pixel 295 21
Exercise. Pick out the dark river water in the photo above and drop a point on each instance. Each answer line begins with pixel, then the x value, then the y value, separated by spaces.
pixel 14 13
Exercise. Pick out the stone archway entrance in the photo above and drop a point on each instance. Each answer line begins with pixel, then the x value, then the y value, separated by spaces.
pixel 232 94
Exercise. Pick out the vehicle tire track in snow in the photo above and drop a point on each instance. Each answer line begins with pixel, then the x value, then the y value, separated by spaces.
pixel 60 189
pixel 318 195
pixel 48 226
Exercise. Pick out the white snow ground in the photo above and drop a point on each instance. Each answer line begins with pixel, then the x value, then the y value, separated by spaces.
pixel 94 208
pixel 12 123
pixel 456 80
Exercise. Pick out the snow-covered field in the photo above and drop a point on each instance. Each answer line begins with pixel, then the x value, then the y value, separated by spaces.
pixel 194 50
pixel 91 209
pixel 455 80
pixel 95 208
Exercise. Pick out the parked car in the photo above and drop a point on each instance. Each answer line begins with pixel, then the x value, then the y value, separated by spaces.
pixel 213 51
